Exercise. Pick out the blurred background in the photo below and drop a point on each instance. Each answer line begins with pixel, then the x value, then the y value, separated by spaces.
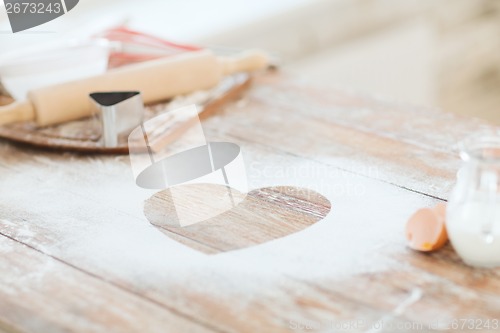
pixel 443 53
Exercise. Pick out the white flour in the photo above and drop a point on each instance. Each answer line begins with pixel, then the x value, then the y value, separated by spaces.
pixel 100 227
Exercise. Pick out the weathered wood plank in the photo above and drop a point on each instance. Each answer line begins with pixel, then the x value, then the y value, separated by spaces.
pixel 92 234
pixel 207 309
pixel 87 212
pixel 41 294
pixel 288 210
pixel 413 148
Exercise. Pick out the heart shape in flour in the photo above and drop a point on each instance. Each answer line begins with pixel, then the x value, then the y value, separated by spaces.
pixel 262 215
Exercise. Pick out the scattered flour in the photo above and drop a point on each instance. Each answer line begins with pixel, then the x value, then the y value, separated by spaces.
pixel 114 238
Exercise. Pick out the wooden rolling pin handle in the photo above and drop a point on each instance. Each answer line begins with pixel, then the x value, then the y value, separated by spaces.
pixel 15 112
pixel 247 61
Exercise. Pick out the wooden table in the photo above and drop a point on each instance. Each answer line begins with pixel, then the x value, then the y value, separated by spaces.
pixel 78 254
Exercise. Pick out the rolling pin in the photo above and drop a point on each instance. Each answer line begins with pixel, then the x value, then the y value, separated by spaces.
pixel 157 80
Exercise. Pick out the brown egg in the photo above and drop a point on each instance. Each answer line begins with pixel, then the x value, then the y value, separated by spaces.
pixel 426 230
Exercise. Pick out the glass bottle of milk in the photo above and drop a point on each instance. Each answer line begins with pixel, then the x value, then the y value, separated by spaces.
pixel 473 212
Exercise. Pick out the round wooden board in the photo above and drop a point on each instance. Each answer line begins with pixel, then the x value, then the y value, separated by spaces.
pixel 83 135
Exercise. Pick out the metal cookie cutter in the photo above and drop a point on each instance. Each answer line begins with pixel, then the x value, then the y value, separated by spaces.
pixel 119 113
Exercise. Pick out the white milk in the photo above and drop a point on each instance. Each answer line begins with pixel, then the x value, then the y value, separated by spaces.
pixel 465 226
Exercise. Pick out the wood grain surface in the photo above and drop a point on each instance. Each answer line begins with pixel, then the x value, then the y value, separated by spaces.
pixel 79 254
pixel 290 210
